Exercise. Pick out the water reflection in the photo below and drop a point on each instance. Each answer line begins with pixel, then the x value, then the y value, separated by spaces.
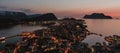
pixel 18 29
pixel 92 39
pixel 104 26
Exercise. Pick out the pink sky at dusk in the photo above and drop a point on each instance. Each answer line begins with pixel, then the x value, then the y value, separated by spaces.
pixel 63 8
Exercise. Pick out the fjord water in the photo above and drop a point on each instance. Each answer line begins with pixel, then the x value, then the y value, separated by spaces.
pixel 18 29
pixel 105 27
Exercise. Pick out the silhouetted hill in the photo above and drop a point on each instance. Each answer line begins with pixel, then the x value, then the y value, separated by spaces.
pixel 34 15
pixel 97 16
pixel 43 17
pixel 10 17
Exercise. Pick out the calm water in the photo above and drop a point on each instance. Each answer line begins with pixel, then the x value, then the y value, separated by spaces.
pixel 100 26
pixel 18 29
pixel 105 27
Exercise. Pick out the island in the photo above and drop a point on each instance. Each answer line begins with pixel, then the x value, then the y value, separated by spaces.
pixel 97 16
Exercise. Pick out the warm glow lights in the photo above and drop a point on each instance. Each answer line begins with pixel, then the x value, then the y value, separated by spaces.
pixel 2 39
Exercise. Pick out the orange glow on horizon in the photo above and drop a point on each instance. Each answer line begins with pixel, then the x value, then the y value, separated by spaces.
pixel 79 13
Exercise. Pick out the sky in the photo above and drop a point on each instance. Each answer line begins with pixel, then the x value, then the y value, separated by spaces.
pixel 63 8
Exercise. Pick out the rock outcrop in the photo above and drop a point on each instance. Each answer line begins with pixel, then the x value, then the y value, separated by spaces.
pixel 97 16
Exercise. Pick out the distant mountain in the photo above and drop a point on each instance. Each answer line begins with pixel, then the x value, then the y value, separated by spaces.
pixel 42 17
pixel 9 16
pixel 34 15
pixel 97 16
pixel 19 17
